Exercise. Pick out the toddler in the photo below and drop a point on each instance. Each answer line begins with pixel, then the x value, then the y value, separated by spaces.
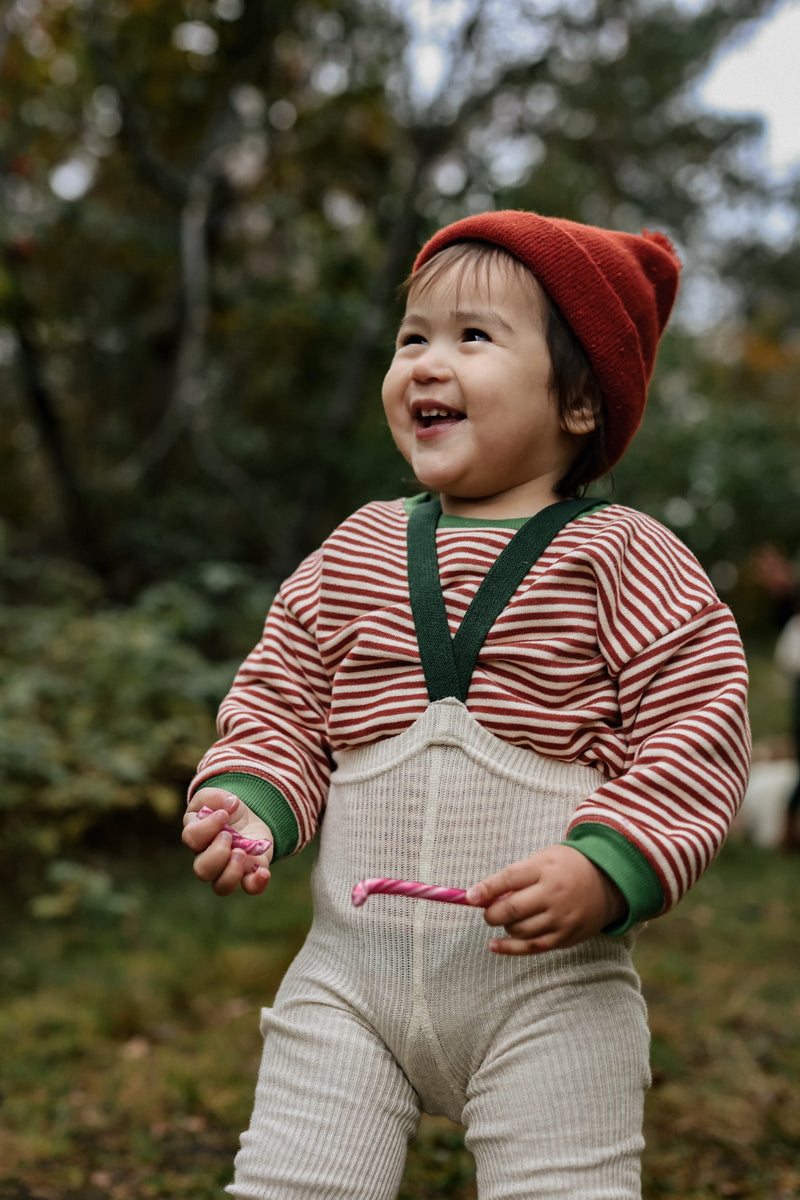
pixel 497 684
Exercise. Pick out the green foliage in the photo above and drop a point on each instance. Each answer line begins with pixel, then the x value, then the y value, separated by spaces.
pixel 105 710
pixel 80 890
pixel 717 459
pixel 206 208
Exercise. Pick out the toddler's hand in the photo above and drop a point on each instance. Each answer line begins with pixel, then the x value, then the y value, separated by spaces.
pixel 217 861
pixel 554 899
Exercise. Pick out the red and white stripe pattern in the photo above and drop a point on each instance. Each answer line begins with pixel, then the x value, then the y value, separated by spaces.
pixel 614 652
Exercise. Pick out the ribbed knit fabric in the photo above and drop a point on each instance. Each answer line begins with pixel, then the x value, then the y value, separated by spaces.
pixel 614 653
pixel 399 1006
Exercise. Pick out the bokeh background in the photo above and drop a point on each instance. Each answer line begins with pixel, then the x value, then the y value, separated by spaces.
pixel 205 210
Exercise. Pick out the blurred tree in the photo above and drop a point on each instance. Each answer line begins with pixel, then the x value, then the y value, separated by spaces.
pixel 206 207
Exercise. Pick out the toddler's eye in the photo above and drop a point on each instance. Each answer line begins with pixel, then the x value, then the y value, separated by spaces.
pixel 476 335
pixel 411 339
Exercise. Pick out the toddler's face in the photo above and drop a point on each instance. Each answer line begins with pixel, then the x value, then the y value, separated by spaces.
pixel 467 395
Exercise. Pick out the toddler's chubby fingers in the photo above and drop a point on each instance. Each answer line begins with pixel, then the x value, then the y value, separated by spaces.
pixel 236 871
pixel 217 860
pixel 540 943
pixel 199 833
pixel 518 946
pixel 226 868
pixel 218 863
pixel 255 882
pixel 506 897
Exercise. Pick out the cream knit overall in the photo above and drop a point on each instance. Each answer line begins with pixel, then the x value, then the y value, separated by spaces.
pixel 399 1007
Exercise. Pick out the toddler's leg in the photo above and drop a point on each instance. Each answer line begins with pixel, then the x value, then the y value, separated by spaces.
pixel 555 1109
pixel 333 1111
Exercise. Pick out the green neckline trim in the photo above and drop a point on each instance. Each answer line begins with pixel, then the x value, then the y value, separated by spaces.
pixel 267 802
pixel 635 877
pixel 449 521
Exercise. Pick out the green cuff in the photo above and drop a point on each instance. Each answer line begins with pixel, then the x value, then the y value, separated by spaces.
pixel 626 866
pixel 267 803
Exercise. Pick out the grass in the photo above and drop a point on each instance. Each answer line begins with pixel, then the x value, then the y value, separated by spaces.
pixel 723 986
pixel 129 1039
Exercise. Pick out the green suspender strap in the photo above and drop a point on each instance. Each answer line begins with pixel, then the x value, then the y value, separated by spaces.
pixel 448 662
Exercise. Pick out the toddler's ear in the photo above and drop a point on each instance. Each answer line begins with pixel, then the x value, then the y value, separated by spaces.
pixel 580 419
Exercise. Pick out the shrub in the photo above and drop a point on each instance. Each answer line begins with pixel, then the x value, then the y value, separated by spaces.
pixel 105 710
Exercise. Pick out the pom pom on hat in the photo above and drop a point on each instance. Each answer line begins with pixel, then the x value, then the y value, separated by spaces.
pixel 615 291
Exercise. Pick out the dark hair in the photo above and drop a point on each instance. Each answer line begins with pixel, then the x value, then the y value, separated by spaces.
pixel 573 383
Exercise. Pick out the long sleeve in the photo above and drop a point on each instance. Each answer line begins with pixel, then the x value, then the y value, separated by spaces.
pixel 272 749
pixel 681 676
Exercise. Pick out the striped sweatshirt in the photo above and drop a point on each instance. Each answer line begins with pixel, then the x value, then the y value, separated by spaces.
pixel 614 652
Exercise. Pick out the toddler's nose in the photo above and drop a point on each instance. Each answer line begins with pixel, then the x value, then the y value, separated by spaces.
pixel 432 363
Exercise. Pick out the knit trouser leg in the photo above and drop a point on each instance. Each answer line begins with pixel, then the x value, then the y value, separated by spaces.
pixel 333 1111
pixel 556 1110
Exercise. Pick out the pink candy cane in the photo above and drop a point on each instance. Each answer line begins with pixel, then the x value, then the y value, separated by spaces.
pixel 238 840
pixel 402 887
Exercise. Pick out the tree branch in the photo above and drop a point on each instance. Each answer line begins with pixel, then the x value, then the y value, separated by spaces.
pixel 187 409
pixel 79 521
pixel 154 170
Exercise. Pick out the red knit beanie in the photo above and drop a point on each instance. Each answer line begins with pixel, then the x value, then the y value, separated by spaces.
pixel 615 291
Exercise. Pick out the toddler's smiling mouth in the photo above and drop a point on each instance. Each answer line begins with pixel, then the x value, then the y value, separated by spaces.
pixel 428 415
